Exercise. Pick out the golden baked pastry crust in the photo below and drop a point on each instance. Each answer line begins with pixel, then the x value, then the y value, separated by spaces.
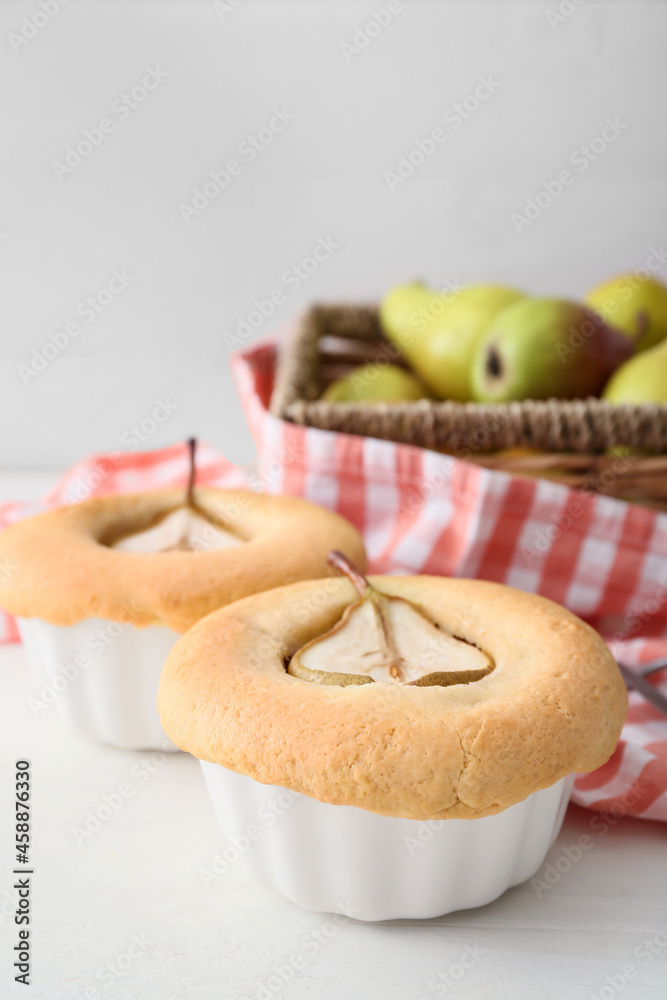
pixel 554 704
pixel 58 569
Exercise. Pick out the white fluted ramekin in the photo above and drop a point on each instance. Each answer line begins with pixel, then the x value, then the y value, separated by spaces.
pixel 341 859
pixel 101 677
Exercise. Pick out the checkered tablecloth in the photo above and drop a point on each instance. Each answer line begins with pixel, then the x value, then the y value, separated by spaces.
pixel 424 512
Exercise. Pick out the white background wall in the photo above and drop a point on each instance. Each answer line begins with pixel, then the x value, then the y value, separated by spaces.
pixel 323 176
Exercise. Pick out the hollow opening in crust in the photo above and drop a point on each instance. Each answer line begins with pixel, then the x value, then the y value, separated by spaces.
pixel 184 528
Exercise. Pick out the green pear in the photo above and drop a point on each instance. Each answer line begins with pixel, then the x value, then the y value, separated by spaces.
pixel 635 305
pixel 405 310
pixel 642 379
pixel 445 331
pixel 547 348
pixel 375 383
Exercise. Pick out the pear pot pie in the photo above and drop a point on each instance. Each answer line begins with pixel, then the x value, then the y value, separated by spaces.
pixel 103 588
pixel 517 694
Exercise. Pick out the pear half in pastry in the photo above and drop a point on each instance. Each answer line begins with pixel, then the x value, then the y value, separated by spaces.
pixel 385 638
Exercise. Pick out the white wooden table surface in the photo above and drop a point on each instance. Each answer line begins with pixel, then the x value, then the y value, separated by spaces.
pixel 123 913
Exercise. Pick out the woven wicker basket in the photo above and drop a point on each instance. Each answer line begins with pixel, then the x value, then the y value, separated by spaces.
pixel 571 438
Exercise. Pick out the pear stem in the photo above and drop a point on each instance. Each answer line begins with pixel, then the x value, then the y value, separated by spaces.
pixel 190 489
pixel 344 565
pixel 340 562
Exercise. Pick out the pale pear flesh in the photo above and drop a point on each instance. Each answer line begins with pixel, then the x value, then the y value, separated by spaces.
pixel 183 529
pixel 388 639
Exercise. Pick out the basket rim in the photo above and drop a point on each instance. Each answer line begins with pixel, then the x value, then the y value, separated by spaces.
pixel 280 406
pixel 589 426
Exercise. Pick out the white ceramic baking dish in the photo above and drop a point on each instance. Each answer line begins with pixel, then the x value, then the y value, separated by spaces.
pixel 341 859
pixel 101 677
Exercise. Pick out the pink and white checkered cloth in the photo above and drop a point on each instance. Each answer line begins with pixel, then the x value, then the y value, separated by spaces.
pixel 423 512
